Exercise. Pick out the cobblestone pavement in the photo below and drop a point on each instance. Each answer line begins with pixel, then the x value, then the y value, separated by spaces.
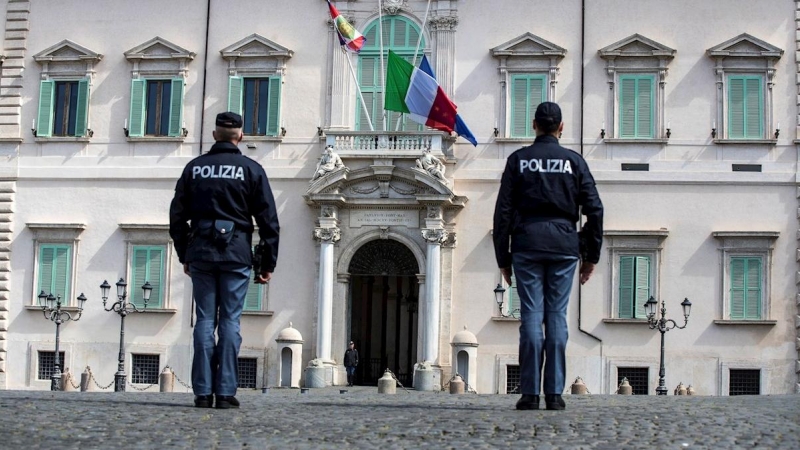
pixel 361 418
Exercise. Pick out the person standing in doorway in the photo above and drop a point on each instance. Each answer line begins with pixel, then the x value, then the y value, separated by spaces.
pixel 544 189
pixel 211 223
pixel 351 362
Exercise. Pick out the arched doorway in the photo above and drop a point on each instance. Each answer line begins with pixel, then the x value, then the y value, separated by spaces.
pixel 383 310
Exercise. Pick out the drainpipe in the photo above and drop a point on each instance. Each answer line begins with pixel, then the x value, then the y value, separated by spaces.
pixel 205 75
pixel 580 287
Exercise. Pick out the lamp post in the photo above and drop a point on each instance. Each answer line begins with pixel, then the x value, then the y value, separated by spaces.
pixel 663 325
pixel 499 297
pixel 51 308
pixel 123 308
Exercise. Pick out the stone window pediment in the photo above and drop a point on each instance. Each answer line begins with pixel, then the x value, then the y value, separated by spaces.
pixel 528 67
pixel 256 51
pixel 637 46
pixel 159 57
pixel 67 59
pixel 745 46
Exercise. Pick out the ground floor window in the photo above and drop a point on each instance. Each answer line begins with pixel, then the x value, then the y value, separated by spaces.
pixel 512 379
pixel 637 377
pixel 248 367
pixel 145 369
pixel 745 382
pixel 47 364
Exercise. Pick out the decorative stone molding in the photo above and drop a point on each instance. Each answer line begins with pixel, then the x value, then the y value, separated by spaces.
pixel 7 191
pixel 15 45
pixel 394 7
pixel 159 57
pixel 327 234
pixel 443 23
pixel 256 55
pixel 450 240
pixel 636 54
pixel 67 60
pixel 434 236
pixel 749 55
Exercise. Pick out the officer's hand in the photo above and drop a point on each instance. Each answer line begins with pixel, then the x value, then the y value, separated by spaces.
pixel 186 269
pixel 506 271
pixel 263 277
pixel 586 271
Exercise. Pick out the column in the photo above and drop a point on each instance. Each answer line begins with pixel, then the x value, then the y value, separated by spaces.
pixel 434 238
pixel 443 32
pixel 326 237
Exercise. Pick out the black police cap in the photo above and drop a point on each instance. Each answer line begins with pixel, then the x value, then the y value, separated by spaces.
pixel 548 113
pixel 229 120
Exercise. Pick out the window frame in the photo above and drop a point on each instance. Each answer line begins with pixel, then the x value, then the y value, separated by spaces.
pixel 652 276
pixel 529 108
pixel 761 106
pixel 134 287
pixel 237 89
pixel 45 234
pixel 150 235
pixel 639 243
pixel 636 76
pixel 263 294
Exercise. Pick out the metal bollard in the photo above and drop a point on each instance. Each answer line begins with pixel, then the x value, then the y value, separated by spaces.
pixel 166 380
pixel 387 384
pixel 579 387
pixel 457 385
pixel 625 388
pixel 66 381
pixel 86 380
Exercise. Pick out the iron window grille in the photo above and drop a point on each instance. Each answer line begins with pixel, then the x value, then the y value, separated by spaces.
pixel 512 379
pixel 145 369
pixel 47 364
pixel 745 382
pixel 248 367
pixel 637 377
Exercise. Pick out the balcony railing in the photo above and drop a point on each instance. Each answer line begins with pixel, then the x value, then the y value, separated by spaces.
pixel 388 143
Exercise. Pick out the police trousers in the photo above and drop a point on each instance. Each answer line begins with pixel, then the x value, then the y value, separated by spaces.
pixel 219 293
pixel 544 289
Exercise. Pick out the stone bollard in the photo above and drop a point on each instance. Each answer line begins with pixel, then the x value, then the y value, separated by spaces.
pixel 681 389
pixel 579 387
pixel 166 380
pixel 66 381
pixel 86 380
pixel 457 385
pixel 625 388
pixel 690 390
pixel 387 384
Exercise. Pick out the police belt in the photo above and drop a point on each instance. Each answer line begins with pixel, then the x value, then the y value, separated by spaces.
pixel 208 226
pixel 533 219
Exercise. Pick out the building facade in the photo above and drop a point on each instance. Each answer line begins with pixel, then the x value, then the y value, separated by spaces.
pixel 684 111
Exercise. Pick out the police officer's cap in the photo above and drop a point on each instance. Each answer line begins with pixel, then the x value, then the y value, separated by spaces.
pixel 229 120
pixel 548 113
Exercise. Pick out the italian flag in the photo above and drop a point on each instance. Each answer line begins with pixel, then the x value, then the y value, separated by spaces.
pixel 412 91
pixel 349 37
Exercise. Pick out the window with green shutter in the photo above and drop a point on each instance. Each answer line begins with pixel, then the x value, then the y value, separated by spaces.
pixel 63 108
pixel 637 106
pixel 745 287
pixel 156 108
pixel 634 286
pixel 255 293
pixel 55 271
pixel 399 35
pixel 512 298
pixel 745 107
pixel 147 265
pixel 258 102
pixel 527 92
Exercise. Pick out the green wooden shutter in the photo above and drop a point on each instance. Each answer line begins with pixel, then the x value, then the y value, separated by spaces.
pixel 54 270
pixel 536 96
pixel 273 109
pixel 369 89
pixel 642 286
pixel 513 296
pixel 754 108
pixel 627 276
pixel 736 108
pixel 644 107
pixel 176 107
pixel 44 121
pixel 737 270
pixel 138 103
pixel 147 266
pixel 82 110
pixel 235 92
pixel 252 301
pixel 753 288
pixel 627 107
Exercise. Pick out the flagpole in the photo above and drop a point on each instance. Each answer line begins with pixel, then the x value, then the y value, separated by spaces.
pixel 416 52
pixel 358 89
pixel 383 70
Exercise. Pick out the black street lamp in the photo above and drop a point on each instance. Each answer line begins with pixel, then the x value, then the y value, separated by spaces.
pixel 663 325
pixel 123 308
pixel 499 297
pixel 51 308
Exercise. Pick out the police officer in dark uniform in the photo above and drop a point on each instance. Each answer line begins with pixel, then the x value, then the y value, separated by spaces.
pixel 211 223
pixel 543 190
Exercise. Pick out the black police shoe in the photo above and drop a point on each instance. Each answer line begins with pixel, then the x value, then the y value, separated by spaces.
pixel 528 402
pixel 203 401
pixel 554 402
pixel 226 402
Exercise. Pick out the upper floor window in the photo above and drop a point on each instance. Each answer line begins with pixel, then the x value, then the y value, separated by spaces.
pixel 157 89
pixel 400 35
pixel 529 74
pixel 745 72
pixel 64 91
pixel 635 261
pixel 148 260
pixel 256 68
pixel 637 71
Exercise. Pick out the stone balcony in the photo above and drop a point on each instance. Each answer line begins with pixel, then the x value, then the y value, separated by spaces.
pixel 389 144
